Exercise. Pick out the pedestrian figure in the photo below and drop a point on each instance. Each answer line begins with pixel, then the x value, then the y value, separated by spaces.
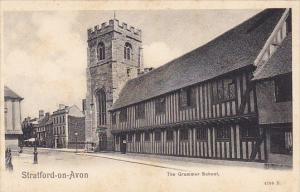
pixel 21 149
pixel 8 160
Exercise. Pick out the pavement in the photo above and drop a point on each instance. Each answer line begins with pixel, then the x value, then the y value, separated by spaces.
pixel 134 172
pixel 172 162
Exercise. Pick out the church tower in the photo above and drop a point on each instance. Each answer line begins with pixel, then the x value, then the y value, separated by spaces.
pixel 114 56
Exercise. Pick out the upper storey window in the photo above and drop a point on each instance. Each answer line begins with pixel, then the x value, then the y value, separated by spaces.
pixel 283 88
pixel 160 106
pixel 127 51
pixel 101 51
pixel 187 98
pixel 223 90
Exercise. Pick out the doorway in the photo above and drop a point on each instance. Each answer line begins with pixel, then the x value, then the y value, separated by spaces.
pixel 123 144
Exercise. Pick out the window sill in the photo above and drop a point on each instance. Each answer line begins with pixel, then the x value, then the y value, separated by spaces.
pixel 223 101
pixel 227 139
pixel 183 140
pixel 202 140
pixel 158 114
pixel 186 107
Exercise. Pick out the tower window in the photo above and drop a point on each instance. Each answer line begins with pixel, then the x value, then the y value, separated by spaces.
pixel 101 101
pixel 127 51
pixel 101 51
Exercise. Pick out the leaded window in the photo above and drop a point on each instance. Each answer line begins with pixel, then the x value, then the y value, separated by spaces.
pixel 170 135
pixel 157 135
pixel 187 97
pixel 160 106
pixel 140 111
pixel 201 133
pixel 223 133
pixel 123 115
pixel 184 134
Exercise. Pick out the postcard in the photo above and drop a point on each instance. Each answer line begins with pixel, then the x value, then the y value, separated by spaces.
pixel 149 96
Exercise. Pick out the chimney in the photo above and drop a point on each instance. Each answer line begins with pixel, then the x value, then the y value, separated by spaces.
pixel 83 105
pixel 61 106
pixel 41 113
pixel 47 114
pixel 148 69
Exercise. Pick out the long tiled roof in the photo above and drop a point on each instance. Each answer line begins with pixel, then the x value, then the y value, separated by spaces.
pixel 235 49
pixel 10 94
pixel 279 63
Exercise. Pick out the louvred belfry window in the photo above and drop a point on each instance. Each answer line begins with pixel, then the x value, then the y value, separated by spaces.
pixel 101 51
pixel 127 51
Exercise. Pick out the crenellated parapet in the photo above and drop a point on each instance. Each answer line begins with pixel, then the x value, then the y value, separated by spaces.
pixel 114 25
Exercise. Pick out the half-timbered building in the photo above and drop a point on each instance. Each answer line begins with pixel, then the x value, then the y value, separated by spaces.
pixel 204 103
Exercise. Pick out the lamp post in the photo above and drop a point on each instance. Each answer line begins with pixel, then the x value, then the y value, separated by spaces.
pixel 35 153
pixel 76 134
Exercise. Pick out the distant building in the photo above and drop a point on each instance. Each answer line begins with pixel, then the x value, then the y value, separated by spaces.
pixel 62 127
pixel 41 128
pixel 28 127
pixel 12 116
pixel 49 136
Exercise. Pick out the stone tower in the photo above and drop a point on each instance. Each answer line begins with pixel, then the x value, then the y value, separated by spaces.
pixel 114 55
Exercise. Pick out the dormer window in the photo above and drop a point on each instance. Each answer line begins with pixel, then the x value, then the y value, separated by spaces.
pixel 101 51
pixel 127 51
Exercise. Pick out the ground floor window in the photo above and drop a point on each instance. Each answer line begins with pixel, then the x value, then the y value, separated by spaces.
pixel 138 137
pixel 223 133
pixel 170 135
pixel 201 133
pixel 147 136
pixel 157 136
pixel 184 134
pixel 130 136
pixel 117 139
pixel 281 140
pixel 249 131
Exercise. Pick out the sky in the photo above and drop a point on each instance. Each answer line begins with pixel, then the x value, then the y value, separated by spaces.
pixel 45 58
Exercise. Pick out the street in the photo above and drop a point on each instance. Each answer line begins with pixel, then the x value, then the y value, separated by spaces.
pixel 67 171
